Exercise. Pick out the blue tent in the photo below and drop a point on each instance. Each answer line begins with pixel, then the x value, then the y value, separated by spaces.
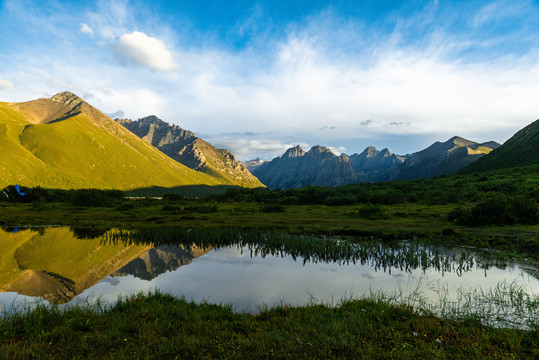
pixel 18 188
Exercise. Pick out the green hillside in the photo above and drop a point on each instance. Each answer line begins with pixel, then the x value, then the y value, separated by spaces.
pixel 520 150
pixel 63 142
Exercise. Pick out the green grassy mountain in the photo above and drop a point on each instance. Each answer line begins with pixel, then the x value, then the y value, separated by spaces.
pixel 63 142
pixel 191 151
pixel 520 150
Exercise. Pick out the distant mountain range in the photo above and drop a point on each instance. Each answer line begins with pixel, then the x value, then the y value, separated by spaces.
pixel 319 166
pixel 63 142
pixel 191 151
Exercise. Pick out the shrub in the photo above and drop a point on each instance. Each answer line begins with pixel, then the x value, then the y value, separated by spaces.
pixel 268 208
pixel 95 197
pixel 497 210
pixel 201 208
pixel 371 212
pixel 173 198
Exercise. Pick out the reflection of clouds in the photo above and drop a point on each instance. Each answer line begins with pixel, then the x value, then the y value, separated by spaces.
pixel 112 280
pixel 232 276
pixel 367 276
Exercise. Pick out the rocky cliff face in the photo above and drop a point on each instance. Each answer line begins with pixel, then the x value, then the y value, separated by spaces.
pixel 373 165
pixel 191 151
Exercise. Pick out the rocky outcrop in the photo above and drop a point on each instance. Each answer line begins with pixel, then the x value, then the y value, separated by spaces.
pixel 191 151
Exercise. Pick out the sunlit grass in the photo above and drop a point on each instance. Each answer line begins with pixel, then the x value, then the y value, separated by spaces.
pixel 157 325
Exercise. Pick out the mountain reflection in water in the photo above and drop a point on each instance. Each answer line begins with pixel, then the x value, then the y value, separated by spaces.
pixel 57 264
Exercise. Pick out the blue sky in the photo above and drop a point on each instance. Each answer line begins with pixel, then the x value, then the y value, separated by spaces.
pixel 256 77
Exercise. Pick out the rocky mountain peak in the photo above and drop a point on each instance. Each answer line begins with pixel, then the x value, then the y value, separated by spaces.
pixel 459 141
pixel 318 149
pixel 151 119
pixel 296 151
pixel 70 101
pixel 370 152
pixel 66 97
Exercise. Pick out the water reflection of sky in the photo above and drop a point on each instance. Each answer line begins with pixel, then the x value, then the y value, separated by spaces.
pixel 232 276
pixel 229 276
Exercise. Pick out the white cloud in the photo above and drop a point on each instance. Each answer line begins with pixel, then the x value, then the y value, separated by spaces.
pixel 85 29
pixel 246 150
pixel 137 102
pixel 141 49
pixel 6 85
pixel 337 150
pixel 307 89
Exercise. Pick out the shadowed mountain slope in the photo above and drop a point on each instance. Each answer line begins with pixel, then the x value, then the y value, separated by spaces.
pixel 442 158
pixel 297 168
pixel 63 142
pixel 191 151
pixel 520 150
pixel 373 165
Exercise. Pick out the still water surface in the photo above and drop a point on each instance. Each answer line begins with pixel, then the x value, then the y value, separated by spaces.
pixel 55 265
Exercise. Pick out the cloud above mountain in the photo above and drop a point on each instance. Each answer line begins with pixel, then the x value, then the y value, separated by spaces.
pixel 141 49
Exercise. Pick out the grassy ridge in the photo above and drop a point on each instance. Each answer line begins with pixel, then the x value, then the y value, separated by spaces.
pixel 519 150
pixel 161 327
pixel 86 150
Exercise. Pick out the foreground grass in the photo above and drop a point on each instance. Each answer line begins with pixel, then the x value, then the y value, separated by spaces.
pixel 158 326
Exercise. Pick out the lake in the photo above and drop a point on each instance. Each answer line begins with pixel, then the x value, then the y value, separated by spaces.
pixel 72 266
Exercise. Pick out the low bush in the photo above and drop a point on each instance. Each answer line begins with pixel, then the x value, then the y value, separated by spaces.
pixel 201 208
pixel 497 210
pixel 370 211
pixel 95 197
pixel 269 208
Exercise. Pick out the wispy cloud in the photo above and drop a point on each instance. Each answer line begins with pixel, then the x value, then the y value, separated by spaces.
pixel 85 29
pixel 266 149
pixel 6 85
